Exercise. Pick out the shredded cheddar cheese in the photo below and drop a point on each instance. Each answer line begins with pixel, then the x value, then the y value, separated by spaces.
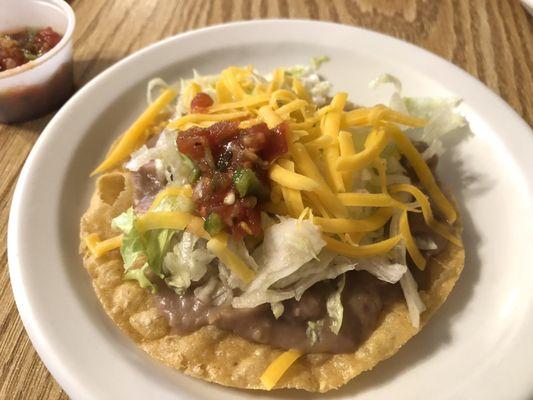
pixel 306 165
pixel 347 149
pixel 219 247
pixel 285 111
pixel 372 150
pixel 196 227
pixel 370 200
pixel 367 250
pixel 171 191
pixel 281 96
pixel 423 172
pixel 232 83
pixel 271 118
pixel 99 247
pixel 349 225
pixel 292 196
pixel 163 220
pixel 278 367
pixel 132 137
pixel 433 224
pixel 299 89
pixel 277 80
pixel 410 244
pixel 331 128
pixel 194 118
pixel 377 114
pixel 247 102
pixel 291 179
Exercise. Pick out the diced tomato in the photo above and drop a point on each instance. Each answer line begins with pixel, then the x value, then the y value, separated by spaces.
pixel 46 39
pixel 22 46
pixel 201 102
pixel 192 144
pixel 276 144
pixel 221 151
pixel 193 141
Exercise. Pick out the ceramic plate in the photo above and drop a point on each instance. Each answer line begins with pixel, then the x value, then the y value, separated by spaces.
pixel 477 346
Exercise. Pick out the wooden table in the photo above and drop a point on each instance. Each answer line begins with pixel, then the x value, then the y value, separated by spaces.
pixel 492 40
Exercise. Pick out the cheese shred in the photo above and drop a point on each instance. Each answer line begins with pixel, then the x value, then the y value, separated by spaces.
pixel 171 191
pixel 423 172
pixel 278 367
pixel 163 220
pixel 410 244
pixel 367 250
pixel 219 247
pixel 132 137
pixel 98 247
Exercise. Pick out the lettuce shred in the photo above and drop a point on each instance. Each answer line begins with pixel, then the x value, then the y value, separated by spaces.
pixel 334 306
pixel 440 112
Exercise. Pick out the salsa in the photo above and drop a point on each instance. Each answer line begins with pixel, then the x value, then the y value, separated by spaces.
pixel 231 172
pixel 23 46
pixel 201 102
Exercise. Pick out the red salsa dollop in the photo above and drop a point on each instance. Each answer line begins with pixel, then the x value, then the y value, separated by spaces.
pixel 201 103
pixel 20 47
pixel 232 172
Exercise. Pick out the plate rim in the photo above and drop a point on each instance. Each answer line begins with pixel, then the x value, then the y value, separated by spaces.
pixel 74 385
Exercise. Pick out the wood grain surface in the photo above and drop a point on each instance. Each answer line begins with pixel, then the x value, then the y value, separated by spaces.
pixel 491 40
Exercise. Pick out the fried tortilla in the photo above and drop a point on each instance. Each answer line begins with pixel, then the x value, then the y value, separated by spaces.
pixel 225 358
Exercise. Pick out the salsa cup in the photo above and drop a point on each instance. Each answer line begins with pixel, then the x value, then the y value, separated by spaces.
pixel 42 85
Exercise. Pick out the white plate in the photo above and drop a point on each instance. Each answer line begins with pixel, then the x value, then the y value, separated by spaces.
pixel 478 346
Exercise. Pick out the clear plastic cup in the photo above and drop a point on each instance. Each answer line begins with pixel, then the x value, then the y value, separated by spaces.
pixel 42 85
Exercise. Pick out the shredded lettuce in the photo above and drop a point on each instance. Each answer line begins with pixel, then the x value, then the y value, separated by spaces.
pixel 132 244
pixel 326 266
pixel 277 309
pixel 139 275
pixel 175 203
pixel 440 113
pixel 153 247
pixel 157 243
pixel 285 248
pixel 316 270
pixel 125 222
pixel 226 275
pixel 169 163
pixel 314 328
pixel 205 292
pixel 334 306
pixel 442 117
pixel 317 87
pixel 228 278
pixel 240 248
pixel 223 295
pixel 309 269
pixel 186 263
pixel 156 83
pixel 415 305
pixel 316 62
pixel 381 267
